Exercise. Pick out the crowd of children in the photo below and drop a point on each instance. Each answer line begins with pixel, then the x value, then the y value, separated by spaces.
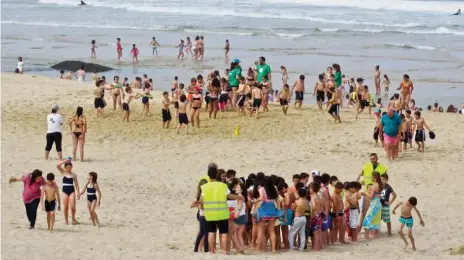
pixel 313 213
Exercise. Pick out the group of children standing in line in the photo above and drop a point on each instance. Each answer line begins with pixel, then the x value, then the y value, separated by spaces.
pixel 322 212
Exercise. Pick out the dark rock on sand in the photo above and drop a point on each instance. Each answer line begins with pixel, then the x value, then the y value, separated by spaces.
pixel 74 65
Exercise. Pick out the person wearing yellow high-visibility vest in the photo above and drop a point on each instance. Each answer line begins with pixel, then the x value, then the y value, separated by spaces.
pixel 370 167
pixel 214 195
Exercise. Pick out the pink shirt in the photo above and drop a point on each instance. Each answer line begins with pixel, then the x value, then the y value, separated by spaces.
pixel 31 192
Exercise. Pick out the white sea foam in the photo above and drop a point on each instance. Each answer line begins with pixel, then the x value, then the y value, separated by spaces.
pixel 400 5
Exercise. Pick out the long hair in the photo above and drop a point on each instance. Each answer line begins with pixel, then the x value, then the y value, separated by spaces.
pixel 35 174
pixel 270 188
pixel 79 112
pixel 258 182
pixel 201 183
pixel 94 177
pixel 376 179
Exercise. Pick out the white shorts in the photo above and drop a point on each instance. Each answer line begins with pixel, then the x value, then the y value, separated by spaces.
pixel 354 218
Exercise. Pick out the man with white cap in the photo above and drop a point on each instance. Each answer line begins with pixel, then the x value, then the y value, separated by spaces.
pixel 54 122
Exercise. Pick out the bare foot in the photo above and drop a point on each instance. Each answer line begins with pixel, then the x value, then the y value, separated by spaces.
pixel 406 245
pixel 74 222
pixel 414 248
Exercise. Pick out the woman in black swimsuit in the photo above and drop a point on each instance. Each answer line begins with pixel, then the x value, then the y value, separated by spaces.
pixel 79 123
pixel 197 100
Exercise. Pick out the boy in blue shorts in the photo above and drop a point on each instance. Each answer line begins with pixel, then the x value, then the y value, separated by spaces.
pixel 407 220
pixel 386 201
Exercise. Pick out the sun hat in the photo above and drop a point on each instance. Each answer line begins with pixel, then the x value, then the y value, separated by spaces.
pixel 236 60
pixel 316 173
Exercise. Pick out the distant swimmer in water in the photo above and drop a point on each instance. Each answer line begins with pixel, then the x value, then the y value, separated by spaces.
pixel 458 12
pixel 82 3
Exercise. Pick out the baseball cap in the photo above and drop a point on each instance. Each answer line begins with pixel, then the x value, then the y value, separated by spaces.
pixel 316 173
pixel 55 107
pixel 236 60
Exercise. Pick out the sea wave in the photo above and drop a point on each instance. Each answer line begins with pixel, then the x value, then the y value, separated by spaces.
pixel 408 46
pixel 398 5
pixel 289 33
pixel 213 11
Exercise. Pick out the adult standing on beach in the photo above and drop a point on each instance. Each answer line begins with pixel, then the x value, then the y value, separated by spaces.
pixel 80 74
pixel 369 168
pixel 234 75
pixel 389 127
pixel 31 193
pixel 54 122
pixel 406 88
pixel 214 195
pixel 377 80
pixel 263 70
pixel 79 122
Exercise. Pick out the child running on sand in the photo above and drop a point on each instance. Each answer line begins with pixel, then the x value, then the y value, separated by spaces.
pixel 50 197
pixel 181 49
pixel 334 109
pixel 183 118
pixel 135 54
pixel 257 96
pixel 128 96
pixel 407 220
pixel 365 101
pixel 93 200
pixel 419 125
pixel 93 53
pixel 166 113
pixel 284 97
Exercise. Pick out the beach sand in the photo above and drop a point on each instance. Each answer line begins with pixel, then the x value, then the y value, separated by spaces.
pixel 148 175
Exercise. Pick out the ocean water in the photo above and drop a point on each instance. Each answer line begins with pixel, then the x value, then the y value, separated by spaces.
pixel 420 38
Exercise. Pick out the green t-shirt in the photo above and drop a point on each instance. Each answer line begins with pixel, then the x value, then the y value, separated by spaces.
pixel 233 81
pixel 263 70
pixel 338 78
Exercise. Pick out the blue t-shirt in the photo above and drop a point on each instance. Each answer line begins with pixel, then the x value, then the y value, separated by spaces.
pixel 391 125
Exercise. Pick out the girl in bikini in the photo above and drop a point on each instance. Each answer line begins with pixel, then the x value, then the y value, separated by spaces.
pixel 93 200
pixel 79 123
pixel 266 87
pixel 70 186
pixel 197 100
pixel 406 88
pixel 250 79
pixel 116 92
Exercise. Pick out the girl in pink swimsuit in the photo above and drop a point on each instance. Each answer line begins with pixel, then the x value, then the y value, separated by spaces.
pixel 135 54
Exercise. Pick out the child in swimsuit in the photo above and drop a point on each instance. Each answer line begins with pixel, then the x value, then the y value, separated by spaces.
pixel 119 48
pixel 50 197
pixel 183 118
pixel 135 54
pixel 93 189
pixel 166 113
pixel 407 220
pixel 70 185
pixel 181 49
pixel 93 54
pixel 146 96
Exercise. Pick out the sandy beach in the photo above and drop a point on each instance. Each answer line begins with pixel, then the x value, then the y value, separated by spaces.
pixel 148 175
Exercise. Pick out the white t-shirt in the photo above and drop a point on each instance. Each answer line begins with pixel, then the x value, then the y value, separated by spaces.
pixel 54 122
pixel 20 66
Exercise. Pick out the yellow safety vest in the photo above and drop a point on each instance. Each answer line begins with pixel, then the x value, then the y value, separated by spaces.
pixel 215 201
pixel 368 168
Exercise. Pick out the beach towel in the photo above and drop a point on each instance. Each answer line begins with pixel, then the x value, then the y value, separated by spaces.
pixel 373 215
pixel 268 211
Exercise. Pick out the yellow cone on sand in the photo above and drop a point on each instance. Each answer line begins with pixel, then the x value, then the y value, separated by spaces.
pixel 237 130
